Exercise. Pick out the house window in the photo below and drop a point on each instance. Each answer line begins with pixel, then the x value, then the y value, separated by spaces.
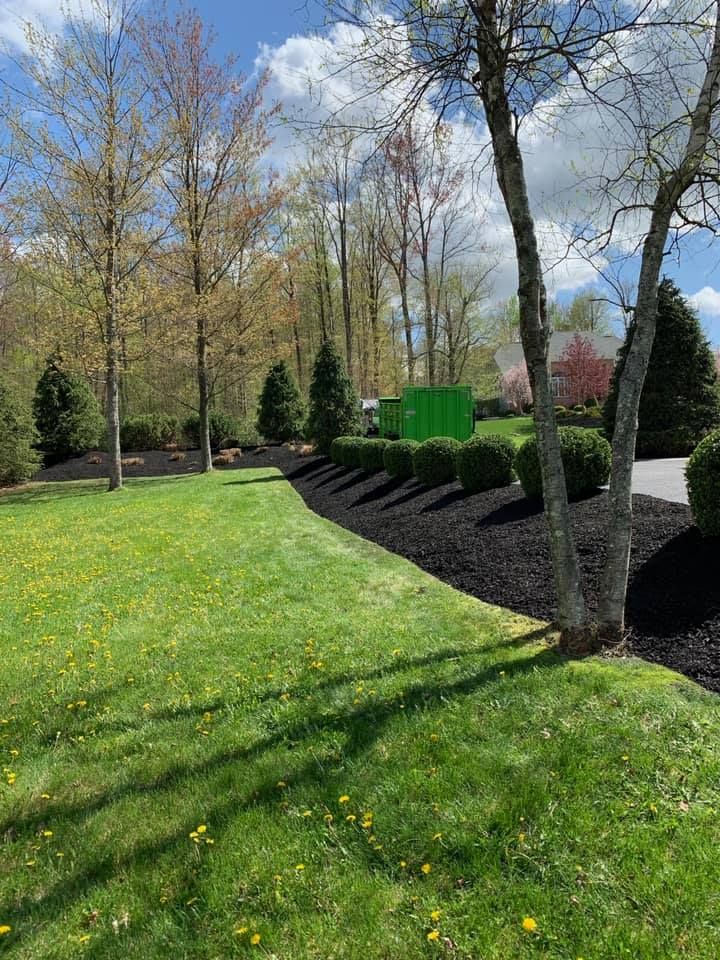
pixel 560 385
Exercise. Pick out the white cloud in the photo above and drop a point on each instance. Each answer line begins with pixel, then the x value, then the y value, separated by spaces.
pixel 707 302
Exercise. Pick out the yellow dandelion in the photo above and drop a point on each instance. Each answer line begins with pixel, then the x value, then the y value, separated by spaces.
pixel 47 833
pixel 202 828
pixel 240 931
pixel 437 836
pixel 255 939
pixel 433 936
pixel 5 928
pixel 529 925
pixel 328 818
pixel 435 915
pixel 299 866
pixel 344 799
pixel 426 868
pixel 403 864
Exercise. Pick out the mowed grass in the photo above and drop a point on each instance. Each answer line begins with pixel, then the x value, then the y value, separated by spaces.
pixel 230 728
pixel 518 429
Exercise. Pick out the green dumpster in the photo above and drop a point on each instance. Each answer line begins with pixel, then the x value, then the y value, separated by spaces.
pixel 437 412
pixel 390 417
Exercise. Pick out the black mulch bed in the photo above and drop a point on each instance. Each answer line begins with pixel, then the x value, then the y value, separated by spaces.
pixel 494 546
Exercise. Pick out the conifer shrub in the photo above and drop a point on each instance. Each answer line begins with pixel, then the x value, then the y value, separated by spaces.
pixel 67 414
pixel 398 458
pixel 334 405
pixel 371 454
pixel 679 403
pixel 18 435
pixel 434 461
pixel 280 409
pixel 485 462
pixel 586 458
pixel 703 484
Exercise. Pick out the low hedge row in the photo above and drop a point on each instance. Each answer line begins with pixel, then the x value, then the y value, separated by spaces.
pixel 482 463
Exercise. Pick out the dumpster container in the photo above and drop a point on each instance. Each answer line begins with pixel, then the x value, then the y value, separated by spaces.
pixel 437 412
pixel 390 417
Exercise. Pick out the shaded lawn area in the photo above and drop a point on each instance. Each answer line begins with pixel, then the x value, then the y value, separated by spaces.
pixel 374 757
pixel 518 429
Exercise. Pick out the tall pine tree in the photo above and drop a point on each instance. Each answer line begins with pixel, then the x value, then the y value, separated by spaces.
pixel 67 415
pixel 280 410
pixel 334 404
pixel 679 402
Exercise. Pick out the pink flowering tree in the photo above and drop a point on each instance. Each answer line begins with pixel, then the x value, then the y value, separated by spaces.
pixel 515 387
pixel 587 374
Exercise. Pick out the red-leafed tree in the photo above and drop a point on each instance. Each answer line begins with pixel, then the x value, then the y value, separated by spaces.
pixel 515 386
pixel 588 375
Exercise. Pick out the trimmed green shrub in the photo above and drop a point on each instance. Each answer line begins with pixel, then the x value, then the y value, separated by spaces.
pixel 434 460
pixel 485 462
pixel 334 405
pixel 337 448
pixel 280 410
pixel 18 459
pixel 398 458
pixel 586 458
pixel 224 430
pixel 148 431
pixel 703 483
pixel 352 452
pixel 679 403
pixel 67 414
pixel 371 454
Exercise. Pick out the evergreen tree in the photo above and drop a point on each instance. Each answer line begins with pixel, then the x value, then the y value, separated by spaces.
pixel 18 459
pixel 280 409
pixel 67 415
pixel 679 402
pixel 334 405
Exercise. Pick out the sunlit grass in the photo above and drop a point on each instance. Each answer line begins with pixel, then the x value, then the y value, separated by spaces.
pixel 224 718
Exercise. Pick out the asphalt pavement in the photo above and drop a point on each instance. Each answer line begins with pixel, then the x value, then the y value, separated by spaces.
pixel 661 478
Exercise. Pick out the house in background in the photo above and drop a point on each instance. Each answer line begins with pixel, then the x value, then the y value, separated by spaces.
pixel 604 347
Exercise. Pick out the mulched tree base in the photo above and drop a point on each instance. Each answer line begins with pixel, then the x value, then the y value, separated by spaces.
pixel 494 546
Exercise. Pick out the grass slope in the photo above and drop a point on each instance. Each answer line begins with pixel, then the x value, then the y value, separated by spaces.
pixel 230 729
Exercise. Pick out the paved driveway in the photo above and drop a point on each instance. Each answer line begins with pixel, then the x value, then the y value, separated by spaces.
pixel 661 478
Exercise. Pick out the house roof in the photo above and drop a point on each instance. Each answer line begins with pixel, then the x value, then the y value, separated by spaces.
pixel 605 347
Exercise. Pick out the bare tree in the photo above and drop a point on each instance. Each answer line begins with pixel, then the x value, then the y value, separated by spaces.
pixel 91 156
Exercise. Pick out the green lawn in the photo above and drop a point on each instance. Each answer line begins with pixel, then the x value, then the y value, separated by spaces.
pixel 224 717
pixel 517 428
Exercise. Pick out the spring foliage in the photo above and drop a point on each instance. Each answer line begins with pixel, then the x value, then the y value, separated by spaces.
pixel 18 459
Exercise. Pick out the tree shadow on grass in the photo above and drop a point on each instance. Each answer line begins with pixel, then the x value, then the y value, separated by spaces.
pixel 45 493
pixel 242 483
pixel 360 728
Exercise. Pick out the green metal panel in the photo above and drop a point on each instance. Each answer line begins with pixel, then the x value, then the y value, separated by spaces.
pixel 437 412
pixel 390 417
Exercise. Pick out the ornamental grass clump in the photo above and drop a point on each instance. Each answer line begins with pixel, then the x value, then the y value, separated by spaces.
pixel 398 458
pixel 703 483
pixel 586 458
pixel 485 462
pixel 371 454
pixel 434 460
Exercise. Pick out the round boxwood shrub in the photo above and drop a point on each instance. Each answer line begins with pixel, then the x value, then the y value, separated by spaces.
pixel 371 454
pixel 703 482
pixel 398 458
pixel 337 448
pixel 434 460
pixel 352 452
pixel 586 458
pixel 485 462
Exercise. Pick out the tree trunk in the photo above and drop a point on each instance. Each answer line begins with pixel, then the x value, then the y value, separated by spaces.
pixel 407 325
pixel 203 391
pixel 576 635
pixel 611 613
pixel 112 404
